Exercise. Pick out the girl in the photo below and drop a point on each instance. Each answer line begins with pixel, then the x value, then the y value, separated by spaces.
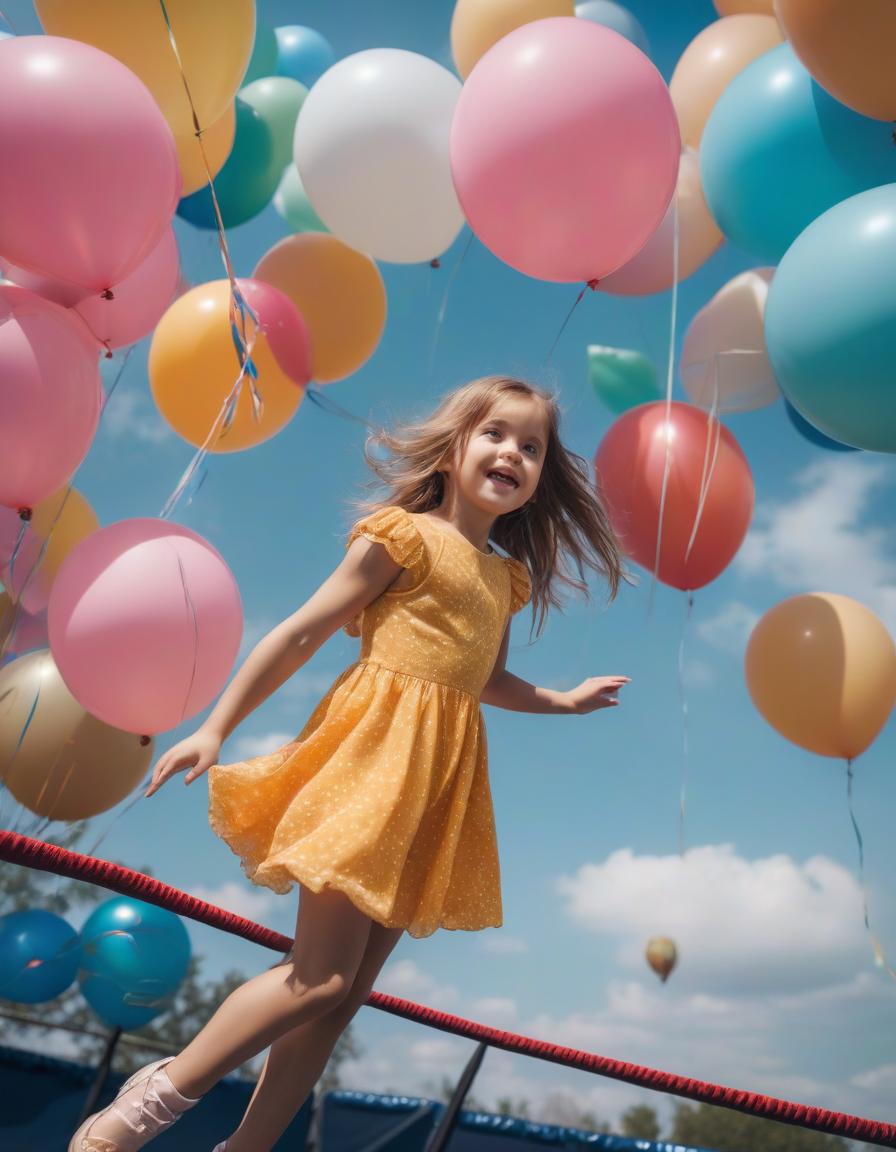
pixel 380 809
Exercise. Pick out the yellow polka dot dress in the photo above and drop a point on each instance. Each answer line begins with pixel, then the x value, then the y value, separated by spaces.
pixel 384 794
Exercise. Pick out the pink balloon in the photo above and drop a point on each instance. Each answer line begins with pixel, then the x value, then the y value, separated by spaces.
pixel 30 629
pixel 59 291
pixel 284 328
pixel 145 623
pixel 50 395
pixel 95 177
pixel 564 149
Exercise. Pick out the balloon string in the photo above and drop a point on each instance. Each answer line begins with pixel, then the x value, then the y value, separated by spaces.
pixel 710 456
pixel 316 396
pixel 682 696
pixel 443 307
pixel 191 608
pixel 880 958
pixel 592 284
pixel 6 20
pixel 21 741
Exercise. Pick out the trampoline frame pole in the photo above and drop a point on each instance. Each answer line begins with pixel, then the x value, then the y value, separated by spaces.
pixel 438 1142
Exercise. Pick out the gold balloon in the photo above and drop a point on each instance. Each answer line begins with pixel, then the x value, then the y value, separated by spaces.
pixel 62 521
pixel 214 39
pixel 478 24
pixel 70 766
pixel 217 141
pixel 339 292
pixel 734 7
pixel 709 64
pixel 821 669
pixel 848 48
pixel 193 366
pixel 662 956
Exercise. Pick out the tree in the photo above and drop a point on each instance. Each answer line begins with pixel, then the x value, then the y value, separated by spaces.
pixel 640 1122
pixel 727 1131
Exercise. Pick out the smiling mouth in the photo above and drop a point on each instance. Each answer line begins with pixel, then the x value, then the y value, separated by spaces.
pixel 503 478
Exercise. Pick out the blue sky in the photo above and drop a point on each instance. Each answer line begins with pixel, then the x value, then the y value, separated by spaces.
pixel 775 991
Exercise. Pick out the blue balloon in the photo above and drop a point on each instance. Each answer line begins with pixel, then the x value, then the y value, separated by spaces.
pixel 302 54
pixel 830 321
pixel 614 16
pixel 777 151
pixel 135 957
pixel 39 955
pixel 808 432
pixel 263 61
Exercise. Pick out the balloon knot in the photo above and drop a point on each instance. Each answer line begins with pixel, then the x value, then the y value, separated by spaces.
pixel 435 262
pixel 108 353
pixel 592 284
pixel 144 740
pixel 107 294
pixel 25 514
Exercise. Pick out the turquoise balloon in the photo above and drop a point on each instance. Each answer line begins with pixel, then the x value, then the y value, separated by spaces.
pixel 621 378
pixel 303 54
pixel 830 322
pixel 278 101
pixel 811 434
pixel 614 16
pixel 135 957
pixel 263 61
pixel 292 203
pixel 777 151
pixel 248 180
pixel 39 956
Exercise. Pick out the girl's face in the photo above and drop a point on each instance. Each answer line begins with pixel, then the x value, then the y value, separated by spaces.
pixel 501 465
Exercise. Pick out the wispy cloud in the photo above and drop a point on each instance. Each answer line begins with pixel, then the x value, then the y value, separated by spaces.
pixel 729 629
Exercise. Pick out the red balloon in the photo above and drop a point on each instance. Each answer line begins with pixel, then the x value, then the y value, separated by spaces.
pixel 629 465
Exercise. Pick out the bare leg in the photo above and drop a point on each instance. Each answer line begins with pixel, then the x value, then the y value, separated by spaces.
pixel 297 1060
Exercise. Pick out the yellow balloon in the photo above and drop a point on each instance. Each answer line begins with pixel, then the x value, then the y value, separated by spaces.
pixel 821 669
pixel 218 143
pixel 340 294
pixel 478 24
pixel 214 39
pixel 69 766
pixel 193 366
pixel 61 521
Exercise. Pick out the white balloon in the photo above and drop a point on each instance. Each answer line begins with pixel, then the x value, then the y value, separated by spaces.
pixel 724 360
pixel 371 147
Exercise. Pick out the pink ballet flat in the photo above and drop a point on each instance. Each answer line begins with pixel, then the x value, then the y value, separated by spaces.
pixel 157 1109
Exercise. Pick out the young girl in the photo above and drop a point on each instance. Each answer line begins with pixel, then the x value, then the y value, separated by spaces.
pixel 380 809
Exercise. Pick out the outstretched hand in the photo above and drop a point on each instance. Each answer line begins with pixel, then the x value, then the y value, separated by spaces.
pixel 197 753
pixel 596 692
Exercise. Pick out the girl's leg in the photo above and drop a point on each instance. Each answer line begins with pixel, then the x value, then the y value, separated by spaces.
pixel 297 1060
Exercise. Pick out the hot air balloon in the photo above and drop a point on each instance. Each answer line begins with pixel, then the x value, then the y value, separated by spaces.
pixel 662 956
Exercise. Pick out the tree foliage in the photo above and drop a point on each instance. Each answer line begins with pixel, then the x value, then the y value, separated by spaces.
pixel 706 1126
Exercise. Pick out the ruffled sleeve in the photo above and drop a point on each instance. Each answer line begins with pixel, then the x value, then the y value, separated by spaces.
pixel 520 584
pixel 396 531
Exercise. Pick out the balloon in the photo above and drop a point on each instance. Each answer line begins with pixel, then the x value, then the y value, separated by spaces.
pixel 69 766
pixel 587 143
pixel 662 956
pixel 153 589
pixel 821 669
pixel 614 16
pixel 193 364
pixel 302 54
pixel 778 151
pixel 217 141
pixel 811 434
pixel 39 955
pixel 621 379
pixel 711 61
pixel 95 180
pixel 724 361
pixel 214 42
pixel 57 524
pixel 830 321
pixel 60 292
pixel 135 957
pixel 371 147
pixel 50 396
pixel 733 7
pixel 20 631
pixel 263 61
pixel 630 464
pixel 653 268
pixel 247 181
pixel 292 203
pixel 340 294
pixel 278 101
pixel 847 48
pixel 478 24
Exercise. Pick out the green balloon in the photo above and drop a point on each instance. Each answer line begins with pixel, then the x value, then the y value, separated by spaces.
pixel 263 61
pixel 621 378
pixel 292 203
pixel 278 101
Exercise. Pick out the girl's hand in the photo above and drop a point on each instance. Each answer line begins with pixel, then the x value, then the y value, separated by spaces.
pixel 595 692
pixel 198 753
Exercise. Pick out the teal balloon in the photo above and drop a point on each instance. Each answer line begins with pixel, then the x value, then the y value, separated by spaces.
pixel 39 956
pixel 830 322
pixel 303 54
pixel 263 61
pixel 292 203
pixel 278 101
pixel 777 151
pixel 621 378
pixel 612 15
pixel 135 957
pixel 811 434
pixel 248 180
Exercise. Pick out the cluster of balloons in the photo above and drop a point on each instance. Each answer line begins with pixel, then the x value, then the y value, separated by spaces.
pixel 129 959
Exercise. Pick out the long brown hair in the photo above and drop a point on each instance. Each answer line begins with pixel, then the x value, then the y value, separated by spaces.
pixel 558 535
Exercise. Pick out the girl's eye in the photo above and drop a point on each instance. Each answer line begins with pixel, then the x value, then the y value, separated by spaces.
pixel 492 431
pixel 532 448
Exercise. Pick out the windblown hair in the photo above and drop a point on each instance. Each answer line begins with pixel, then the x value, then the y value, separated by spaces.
pixel 559 535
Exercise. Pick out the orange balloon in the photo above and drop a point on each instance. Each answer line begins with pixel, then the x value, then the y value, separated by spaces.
pixel 734 7
pixel 848 48
pixel 711 61
pixel 662 956
pixel 193 366
pixel 821 669
pixel 629 466
pixel 339 292
pixel 478 24
pixel 217 140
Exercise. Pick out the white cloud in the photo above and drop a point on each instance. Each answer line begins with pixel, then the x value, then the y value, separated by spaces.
pixel 730 628
pixel 502 945
pixel 407 979
pixel 131 414
pixel 498 1010
pixel 245 747
pixel 253 903
pixel 882 1079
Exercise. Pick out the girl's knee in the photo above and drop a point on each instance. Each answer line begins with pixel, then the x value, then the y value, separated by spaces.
pixel 326 994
